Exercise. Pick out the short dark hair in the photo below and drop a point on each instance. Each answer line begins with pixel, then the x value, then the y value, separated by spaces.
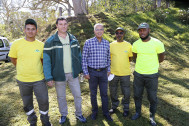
pixel 60 18
pixel 31 21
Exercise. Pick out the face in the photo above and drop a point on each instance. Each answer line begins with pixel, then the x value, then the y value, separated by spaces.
pixel 144 33
pixel 99 31
pixel 30 31
pixel 62 26
pixel 119 35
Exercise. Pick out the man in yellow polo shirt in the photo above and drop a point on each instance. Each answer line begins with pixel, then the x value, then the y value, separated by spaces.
pixel 148 53
pixel 27 55
pixel 121 54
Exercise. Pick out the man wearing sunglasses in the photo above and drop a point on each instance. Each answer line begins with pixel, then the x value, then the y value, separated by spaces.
pixel 148 53
pixel 121 55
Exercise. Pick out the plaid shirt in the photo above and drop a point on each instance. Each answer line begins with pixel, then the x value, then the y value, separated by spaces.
pixel 95 55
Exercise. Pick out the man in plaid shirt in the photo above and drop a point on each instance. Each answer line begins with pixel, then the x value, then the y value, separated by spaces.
pixel 96 68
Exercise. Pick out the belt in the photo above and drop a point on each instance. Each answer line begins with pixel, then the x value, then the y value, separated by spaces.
pixel 100 69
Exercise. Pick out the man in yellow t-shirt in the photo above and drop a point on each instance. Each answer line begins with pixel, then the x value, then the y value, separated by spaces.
pixel 27 55
pixel 148 53
pixel 121 54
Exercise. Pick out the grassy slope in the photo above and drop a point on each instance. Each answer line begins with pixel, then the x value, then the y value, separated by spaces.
pixel 173 82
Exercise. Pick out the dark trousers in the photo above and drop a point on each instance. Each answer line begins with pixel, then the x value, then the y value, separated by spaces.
pixel 98 78
pixel 125 88
pixel 150 82
pixel 40 90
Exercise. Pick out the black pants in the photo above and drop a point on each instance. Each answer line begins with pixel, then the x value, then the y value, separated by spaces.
pixel 150 82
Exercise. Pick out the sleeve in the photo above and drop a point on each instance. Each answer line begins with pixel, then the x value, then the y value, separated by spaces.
pixel 80 58
pixel 47 63
pixel 42 53
pixel 108 57
pixel 160 48
pixel 84 59
pixel 13 51
pixel 130 51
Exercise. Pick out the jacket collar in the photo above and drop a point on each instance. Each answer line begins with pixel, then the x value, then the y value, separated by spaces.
pixel 71 37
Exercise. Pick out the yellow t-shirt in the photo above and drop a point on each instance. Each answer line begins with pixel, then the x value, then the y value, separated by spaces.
pixel 29 54
pixel 147 55
pixel 120 53
pixel 67 61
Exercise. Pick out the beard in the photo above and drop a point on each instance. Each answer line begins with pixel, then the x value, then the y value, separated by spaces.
pixel 144 38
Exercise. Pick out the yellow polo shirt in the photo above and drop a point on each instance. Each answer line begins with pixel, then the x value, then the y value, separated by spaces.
pixel 147 61
pixel 120 53
pixel 29 54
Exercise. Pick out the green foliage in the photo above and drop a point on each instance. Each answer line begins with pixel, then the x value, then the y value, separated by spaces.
pixel 184 16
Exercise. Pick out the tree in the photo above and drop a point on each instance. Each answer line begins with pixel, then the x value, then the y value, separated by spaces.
pixel 79 7
pixel 158 3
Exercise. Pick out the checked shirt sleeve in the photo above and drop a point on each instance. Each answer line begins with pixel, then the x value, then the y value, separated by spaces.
pixel 84 59
pixel 108 58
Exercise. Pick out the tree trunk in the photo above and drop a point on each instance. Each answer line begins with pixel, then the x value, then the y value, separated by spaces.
pixel 69 10
pixel 79 7
pixel 158 3
pixel 167 3
pixel 60 11
pixel 154 4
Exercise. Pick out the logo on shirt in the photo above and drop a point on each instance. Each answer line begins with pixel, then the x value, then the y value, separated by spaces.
pixel 126 51
pixel 37 50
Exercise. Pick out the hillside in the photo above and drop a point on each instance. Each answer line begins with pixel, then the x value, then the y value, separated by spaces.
pixel 173 82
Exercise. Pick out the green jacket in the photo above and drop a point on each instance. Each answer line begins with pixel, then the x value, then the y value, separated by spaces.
pixel 53 58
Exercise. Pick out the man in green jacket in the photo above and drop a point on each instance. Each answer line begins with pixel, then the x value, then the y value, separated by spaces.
pixel 62 65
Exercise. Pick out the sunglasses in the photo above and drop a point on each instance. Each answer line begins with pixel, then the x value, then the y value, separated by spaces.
pixel 121 33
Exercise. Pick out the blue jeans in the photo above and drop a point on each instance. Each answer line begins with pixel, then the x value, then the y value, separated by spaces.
pixel 98 78
pixel 150 82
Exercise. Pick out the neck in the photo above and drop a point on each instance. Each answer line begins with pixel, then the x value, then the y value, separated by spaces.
pixel 99 39
pixel 119 40
pixel 30 39
pixel 147 39
pixel 62 34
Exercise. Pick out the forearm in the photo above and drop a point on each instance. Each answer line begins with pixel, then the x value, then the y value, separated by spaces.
pixel 14 61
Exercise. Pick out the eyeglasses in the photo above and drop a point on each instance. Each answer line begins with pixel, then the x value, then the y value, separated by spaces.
pixel 99 29
pixel 121 33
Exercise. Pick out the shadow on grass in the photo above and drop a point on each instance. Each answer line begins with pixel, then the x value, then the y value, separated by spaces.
pixel 177 81
pixel 172 114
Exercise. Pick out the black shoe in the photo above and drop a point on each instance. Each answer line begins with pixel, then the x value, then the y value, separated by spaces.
pixel 136 116
pixel 35 124
pixel 152 121
pixel 108 117
pixel 93 116
pixel 125 113
pixel 111 111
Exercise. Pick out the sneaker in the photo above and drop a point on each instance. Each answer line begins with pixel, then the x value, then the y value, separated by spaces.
pixel 81 119
pixel 125 113
pixel 136 116
pixel 108 117
pixel 62 119
pixel 152 121
pixel 111 111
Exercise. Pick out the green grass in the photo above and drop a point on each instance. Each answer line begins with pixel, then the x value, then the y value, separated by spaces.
pixel 173 90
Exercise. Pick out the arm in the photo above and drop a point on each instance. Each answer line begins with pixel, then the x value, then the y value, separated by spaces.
pixel 134 57
pixel 109 60
pixel 84 61
pixel 47 63
pixel 161 57
pixel 130 59
pixel 13 60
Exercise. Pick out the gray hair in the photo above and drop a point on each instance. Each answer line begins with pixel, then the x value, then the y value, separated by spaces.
pixel 98 24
